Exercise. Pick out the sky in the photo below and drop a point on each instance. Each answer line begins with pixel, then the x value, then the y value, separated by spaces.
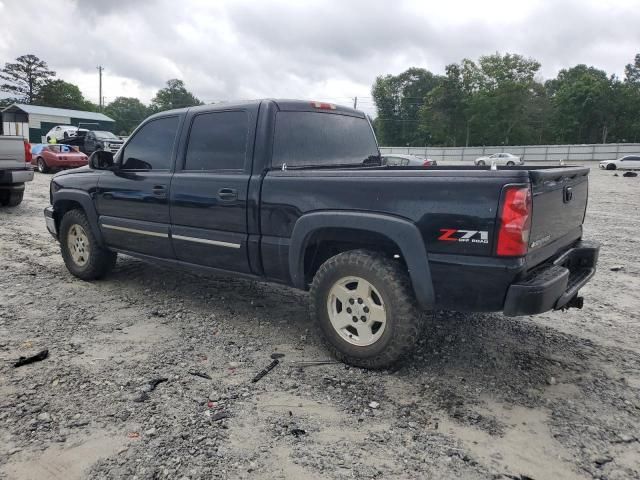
pixel 329 50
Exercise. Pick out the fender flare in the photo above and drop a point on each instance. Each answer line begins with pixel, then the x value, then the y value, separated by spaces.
pixel 402 232
pixel 85 200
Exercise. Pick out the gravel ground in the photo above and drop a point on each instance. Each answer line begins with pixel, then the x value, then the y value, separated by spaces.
pixel 555 396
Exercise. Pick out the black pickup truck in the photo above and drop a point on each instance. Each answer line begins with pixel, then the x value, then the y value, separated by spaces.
pixel 295 192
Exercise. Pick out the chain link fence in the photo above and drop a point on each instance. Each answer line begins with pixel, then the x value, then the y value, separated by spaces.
pixel 529 153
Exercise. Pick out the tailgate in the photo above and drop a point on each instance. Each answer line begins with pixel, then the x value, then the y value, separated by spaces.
pixel 559 204
pixel 11 153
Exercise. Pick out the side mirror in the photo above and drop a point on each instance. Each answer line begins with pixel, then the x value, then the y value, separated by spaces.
pixel 101 160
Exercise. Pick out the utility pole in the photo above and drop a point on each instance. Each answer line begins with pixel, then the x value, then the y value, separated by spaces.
pixel 100 69
pixel 355 103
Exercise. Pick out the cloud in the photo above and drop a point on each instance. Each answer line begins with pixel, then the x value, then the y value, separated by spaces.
pixel 331 49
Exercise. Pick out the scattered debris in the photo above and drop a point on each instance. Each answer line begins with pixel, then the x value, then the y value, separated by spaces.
pixel 602 460
pixel 151 386
pixel 276 355
pixel 616 268
pixel 216 417
pixel 35 358
pixel 196 373
pixel 296 432
pixel 629 174
pixel 313 363
pixel 266 370
pixel 148 388
pixel 374 405
pixel 625 438
pixel 552 381
pixel 133 435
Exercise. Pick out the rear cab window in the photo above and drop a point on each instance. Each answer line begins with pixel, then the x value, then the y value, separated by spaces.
pixel 304 138
pixel 217 141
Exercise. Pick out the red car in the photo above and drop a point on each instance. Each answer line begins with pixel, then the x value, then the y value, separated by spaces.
pixel 50 157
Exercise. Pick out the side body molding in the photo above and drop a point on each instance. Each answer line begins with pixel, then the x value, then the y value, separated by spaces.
pixel 402 232
pixel 85 200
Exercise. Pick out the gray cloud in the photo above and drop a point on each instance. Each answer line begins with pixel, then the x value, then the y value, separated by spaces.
pixel 319 49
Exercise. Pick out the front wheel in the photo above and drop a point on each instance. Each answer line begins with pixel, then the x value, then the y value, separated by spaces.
pixel 510 163
pixel 480 163
pixel 364 305
pixel 611 166
pixel 82 254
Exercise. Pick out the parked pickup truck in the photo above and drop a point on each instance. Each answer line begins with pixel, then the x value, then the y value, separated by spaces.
pixel 89 141
pixel 295 192
pixel 15 169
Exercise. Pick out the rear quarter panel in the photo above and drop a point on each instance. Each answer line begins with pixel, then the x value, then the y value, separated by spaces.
pixel 434 200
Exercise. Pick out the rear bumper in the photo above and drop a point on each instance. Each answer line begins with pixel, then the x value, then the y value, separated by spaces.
pixel 554 285
pixel 9 177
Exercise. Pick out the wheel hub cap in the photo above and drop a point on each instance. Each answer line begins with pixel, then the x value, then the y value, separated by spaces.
pixel 78 244
pixel 356 311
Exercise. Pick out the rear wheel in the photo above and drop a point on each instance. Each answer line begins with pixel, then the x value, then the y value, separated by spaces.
pixel 611 166
pixel 481 163
pixel 364 305
pixel 11 198
pixel 42 166
pixel 82 254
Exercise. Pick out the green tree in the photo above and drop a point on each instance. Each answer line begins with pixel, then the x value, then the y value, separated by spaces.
pixel 584 104
pixel 632 71
pixel 61 94
pixel 24 78
pixel 398 100
pixel 174 95
pixel 127 112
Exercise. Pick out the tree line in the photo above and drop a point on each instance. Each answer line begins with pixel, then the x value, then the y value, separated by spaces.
pixel 500 100
pixel 29 80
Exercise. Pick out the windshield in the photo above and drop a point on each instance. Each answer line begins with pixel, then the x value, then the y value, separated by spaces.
pixel 313 138
pixel 105 135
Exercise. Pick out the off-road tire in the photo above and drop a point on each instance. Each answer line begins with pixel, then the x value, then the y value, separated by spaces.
pixel 11 198
pixel 100 260
pixel 389 277
pixel 42 165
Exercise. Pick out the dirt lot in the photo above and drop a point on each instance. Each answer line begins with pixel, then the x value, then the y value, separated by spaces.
pixel 551 397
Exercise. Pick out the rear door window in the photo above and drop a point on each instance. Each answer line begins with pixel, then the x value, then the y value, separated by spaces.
pixel 314 138
pixel 152 146
pixel 217 141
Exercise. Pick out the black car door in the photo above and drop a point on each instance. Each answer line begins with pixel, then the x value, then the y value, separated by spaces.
pixel 209 190
pixel 133 199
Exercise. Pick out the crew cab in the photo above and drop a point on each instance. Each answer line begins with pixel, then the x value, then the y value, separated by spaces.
pixel 295 192
pixel 15 169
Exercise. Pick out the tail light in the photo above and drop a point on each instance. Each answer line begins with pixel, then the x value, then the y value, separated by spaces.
pixel 515 221
pixel 323 105
pixel 427 163
pixel 27 151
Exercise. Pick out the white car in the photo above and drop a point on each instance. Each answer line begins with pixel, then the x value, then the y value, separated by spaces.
pixel 394 159
pixel 507 159
pixel 628 162
pixel 61 132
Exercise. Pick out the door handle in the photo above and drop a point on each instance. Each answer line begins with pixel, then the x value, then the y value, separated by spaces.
pixel 228 194
pixel 159 190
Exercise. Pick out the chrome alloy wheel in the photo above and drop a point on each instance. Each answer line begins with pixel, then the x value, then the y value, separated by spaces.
pixel 78 244
pixel 356 311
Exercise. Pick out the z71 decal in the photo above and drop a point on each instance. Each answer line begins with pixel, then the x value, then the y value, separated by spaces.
pixel 464 236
